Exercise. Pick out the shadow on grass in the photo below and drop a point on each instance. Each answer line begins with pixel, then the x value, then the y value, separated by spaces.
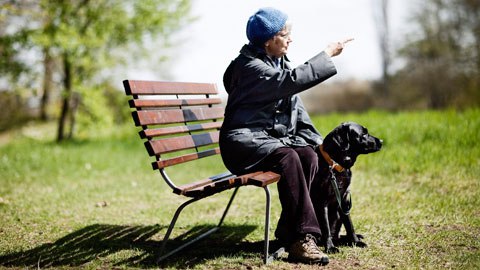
pixel 94 243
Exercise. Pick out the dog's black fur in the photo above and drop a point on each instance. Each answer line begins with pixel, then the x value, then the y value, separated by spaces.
pixel 344 144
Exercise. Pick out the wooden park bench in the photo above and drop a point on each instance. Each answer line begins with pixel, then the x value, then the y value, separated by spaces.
pixel 180 123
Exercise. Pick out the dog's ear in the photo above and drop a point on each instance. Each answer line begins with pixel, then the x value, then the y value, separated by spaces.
pixel 345 135
pixel 339 146
pixel 356 133
pixel 337 139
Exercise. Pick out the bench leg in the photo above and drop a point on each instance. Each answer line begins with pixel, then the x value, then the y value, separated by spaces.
pixel 228 206
pixel 203 235
pixel 267 258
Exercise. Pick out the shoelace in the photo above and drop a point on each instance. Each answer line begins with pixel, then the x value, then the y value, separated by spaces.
pixel 310 246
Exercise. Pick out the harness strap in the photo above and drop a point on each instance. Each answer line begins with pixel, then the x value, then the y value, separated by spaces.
pixel 338 196
pixel 332 163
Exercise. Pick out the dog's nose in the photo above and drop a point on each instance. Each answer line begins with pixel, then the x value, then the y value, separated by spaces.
pixel 380 143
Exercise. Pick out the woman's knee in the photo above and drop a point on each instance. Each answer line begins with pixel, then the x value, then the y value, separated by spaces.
pixel 289 157
pixel 307 155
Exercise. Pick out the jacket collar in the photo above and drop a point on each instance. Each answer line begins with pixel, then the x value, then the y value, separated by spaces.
pixel 251 51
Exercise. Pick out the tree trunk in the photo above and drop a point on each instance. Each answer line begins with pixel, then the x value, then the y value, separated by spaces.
pixel 383 31
pixel 67 85
pixel 74 103
pixel 47 84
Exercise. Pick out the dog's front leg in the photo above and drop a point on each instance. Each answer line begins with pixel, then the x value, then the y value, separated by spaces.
pixel 336 223
pixel 325 228
pixel 352 237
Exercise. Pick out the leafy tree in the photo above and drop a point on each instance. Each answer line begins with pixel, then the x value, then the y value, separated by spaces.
pixel 443 54
pixel 80 39
pixel 13 38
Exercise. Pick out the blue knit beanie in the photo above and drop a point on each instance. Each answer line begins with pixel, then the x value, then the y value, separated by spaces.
pixel 264 24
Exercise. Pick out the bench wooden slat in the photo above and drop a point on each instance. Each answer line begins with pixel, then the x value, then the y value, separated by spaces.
pixel 147 103
pixel 157 117
pixel 150 133
pixel 200 183
pixel 137 87
pixel 207 187
pixel 160 164
pixel 264 179
pixel 167 145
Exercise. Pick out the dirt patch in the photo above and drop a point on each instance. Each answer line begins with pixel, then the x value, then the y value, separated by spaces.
pixel 5 138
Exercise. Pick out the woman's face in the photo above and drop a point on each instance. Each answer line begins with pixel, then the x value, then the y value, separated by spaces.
pixel 277 46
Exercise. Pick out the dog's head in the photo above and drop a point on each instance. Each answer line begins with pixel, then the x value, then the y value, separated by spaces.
pixel 347 141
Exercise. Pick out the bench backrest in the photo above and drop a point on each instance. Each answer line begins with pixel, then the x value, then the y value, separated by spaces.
pixel 180 121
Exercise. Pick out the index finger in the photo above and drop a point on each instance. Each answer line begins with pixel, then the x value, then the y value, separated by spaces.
pixel 347 40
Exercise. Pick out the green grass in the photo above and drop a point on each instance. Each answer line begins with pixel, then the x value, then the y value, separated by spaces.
pixel 417 201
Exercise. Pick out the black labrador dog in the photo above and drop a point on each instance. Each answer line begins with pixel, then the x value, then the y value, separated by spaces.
pixel 340 150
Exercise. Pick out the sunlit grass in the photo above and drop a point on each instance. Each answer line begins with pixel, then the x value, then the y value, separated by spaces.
pixel 96 203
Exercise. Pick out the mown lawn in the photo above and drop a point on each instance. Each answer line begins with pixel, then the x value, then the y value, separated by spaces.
pixel 96 203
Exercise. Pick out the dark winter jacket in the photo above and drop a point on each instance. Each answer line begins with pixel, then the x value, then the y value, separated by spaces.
pixel 263 111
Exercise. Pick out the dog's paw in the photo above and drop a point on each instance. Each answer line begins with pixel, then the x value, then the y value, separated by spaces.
pixel 330 246
pixel 332 250
pixel 357 241
pixel 351 241
pixel 360 244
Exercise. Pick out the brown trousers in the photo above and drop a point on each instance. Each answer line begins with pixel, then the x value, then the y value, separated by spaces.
pixel 298 167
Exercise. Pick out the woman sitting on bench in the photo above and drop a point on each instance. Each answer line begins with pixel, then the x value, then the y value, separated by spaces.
pixel 267 128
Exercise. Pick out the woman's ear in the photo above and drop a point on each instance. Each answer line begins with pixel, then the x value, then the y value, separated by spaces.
pixel 267 43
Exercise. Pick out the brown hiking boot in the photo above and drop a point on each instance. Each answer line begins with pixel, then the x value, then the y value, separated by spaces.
pixel 307 251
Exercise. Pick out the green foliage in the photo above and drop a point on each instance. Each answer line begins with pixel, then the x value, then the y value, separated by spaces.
pixel 117 104
pixel 101 109
pixel 96 203
pixel 84 39
pixel 95 116
pixel 9 62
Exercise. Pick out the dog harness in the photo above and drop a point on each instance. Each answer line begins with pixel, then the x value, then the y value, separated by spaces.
pixel 333 165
